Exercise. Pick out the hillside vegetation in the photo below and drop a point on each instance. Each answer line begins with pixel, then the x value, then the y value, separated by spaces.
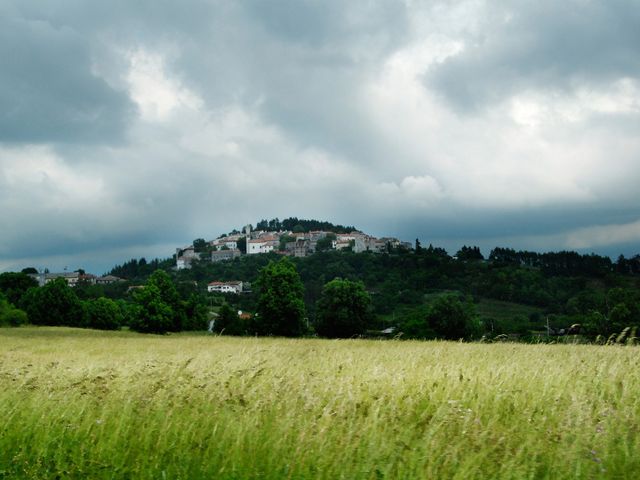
pixel 419 292
pixel 83 404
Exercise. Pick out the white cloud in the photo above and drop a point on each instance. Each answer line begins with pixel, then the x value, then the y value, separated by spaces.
pixel 538 109
pixel 412 192
pixel 156 93
pixel 604 235
pixel 41 174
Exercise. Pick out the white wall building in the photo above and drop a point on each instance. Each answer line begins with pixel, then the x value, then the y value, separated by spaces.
pixel 225 287
pixel 264 244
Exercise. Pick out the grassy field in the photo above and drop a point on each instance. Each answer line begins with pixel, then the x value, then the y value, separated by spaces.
pixel 508 316
pixel 85 404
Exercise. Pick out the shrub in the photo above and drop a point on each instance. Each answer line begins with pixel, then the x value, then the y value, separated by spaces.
pixel 9 315
pixel 103 314
pixel 54 304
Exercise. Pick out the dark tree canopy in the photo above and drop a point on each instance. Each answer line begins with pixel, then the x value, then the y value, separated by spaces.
pixel 103 314
pixel 281 300
pixel 150 314
pixel 54 304
pixel 344 309
pixel 229 322
pixel 299 225
pixel 140 269
pixel 469 253
pixel 159 308
pixel 447 318
pixel 451 319
pixel 15 285
pixel 242 244
pixel 199 245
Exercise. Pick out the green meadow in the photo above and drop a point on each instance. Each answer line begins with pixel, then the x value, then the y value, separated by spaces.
pixel 86 404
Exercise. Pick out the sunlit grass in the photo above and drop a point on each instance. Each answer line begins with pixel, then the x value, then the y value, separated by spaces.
pixel 84 404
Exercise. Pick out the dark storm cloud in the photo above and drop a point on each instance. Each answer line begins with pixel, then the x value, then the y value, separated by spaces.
pixel 301 62
pixel 47 90
pixel 546 45
pixel 322 25
pixel 129 125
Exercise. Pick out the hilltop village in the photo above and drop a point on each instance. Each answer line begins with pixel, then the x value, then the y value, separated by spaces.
pixel 295 242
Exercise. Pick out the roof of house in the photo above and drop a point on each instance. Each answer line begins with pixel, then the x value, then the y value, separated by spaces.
pixel 111 278
pixel 62 275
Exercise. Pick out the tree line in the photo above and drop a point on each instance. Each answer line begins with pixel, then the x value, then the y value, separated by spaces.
pixel 300 225
pixel 156 307
pixel 343 309
pixel 423 292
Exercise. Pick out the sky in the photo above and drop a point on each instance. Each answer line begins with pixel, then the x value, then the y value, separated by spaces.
pixel 128 129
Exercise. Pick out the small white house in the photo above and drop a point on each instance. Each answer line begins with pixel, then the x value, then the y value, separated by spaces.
pixel 225 287
pixel 262 245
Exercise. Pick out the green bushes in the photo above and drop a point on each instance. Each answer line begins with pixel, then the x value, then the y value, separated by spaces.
pixel 9 315
pixel 157 308
pixel 447 317
pixel 54 304
pixel 103 314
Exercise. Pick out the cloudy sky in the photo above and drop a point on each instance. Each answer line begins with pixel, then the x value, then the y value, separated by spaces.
pixel 130 128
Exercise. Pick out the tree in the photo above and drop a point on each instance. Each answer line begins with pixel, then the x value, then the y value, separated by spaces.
pixel 344 309
pixel 280 303
pixel 469 253
pixel 53 304
pixel 195 314
pixel 242 245
pixel 447 317
pixel 199 245
pixel 169 295
pixel 229 322
pixel 9 315
pixel 450 318
pixel 103 314
pixel 15 285
pixel 413 323
pixel 158 307
pixel 150 314
pixel 284 239
pixel 325 243
pixel 29 270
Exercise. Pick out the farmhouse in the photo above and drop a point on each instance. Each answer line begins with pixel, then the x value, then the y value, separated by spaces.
pixel 264 244
pixel 107 279
pixel 222 255
pixel 229 241
pixel 184 257
pixel 72 278
pixel 225 287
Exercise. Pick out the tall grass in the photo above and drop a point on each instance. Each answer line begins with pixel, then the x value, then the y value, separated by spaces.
pixel 82 404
